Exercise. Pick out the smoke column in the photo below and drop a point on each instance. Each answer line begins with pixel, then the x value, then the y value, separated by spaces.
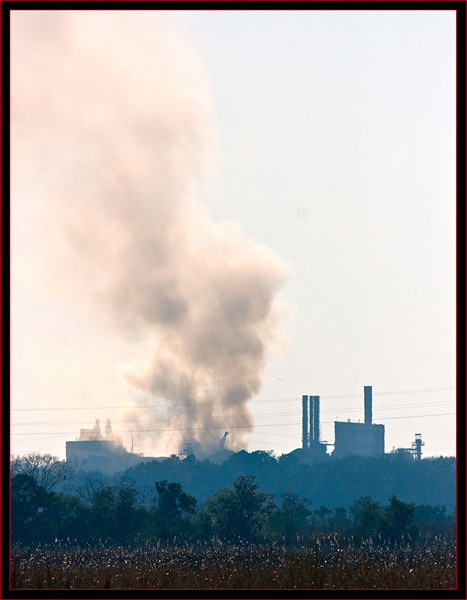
pixel 111 135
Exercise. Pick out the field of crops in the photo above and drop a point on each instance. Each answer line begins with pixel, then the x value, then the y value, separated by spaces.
pixel 324 564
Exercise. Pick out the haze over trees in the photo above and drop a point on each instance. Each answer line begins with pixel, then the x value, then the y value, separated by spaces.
pixel 331 482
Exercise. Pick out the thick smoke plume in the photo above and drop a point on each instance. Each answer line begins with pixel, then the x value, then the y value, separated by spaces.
pixel 111 129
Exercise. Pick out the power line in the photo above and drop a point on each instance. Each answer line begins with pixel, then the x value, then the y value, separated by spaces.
pixel 417 416
pixel 282 414
pixel 171 420
pixel 363 363
pixel 165 430
pixel 294 399
pixel 393 406
pixel 440 389
pixel 231 426
pixel 291 368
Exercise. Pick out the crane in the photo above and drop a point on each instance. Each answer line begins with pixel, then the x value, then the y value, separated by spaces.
pixel 221 445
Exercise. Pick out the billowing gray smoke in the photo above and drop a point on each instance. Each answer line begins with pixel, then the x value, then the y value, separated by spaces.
pixel 110 121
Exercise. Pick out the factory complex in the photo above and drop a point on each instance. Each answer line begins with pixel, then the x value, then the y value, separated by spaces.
pixel 94 451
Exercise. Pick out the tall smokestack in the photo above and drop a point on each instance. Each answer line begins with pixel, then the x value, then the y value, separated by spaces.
pixel 312 431
pixel 368 404
pixel 304 421
pixel 316 418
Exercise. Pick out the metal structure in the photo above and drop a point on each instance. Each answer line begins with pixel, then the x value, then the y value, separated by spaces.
pixel 314 404
pixel 417 446
pixel 220 446
pixel 368 401
pixel 305 439
pixel 415 452
pixel 361 439
pixel 310 425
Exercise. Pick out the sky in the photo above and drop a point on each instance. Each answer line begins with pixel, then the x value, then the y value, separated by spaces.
pixel 216 212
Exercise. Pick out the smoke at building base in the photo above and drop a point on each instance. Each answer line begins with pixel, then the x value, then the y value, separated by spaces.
pixel 113 144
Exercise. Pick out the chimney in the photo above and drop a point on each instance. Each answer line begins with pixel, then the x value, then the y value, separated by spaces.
pixel 311 416
pixel 316 419
pixel 368 404
pixel 304 421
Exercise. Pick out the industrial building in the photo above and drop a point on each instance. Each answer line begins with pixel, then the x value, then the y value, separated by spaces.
pixel 361 439
pixel 415 452
pixel 96 452
pixel 93 451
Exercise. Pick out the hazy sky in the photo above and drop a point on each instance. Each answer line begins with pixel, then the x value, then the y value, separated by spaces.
pixel 327 137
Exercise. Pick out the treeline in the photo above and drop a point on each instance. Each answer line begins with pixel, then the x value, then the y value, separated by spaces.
pixel 329 482
pixel 240 514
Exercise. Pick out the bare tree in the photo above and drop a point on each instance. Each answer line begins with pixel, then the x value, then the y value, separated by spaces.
pixel 45 469
pixel 90 490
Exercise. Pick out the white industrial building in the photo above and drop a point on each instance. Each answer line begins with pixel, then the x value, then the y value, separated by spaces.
pixel 93 451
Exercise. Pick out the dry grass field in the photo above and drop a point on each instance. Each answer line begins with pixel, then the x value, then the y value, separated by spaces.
pixel 324 564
